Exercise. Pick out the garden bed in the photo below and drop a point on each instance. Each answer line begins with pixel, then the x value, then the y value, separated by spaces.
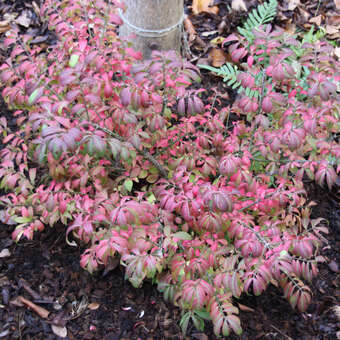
pixel 46 271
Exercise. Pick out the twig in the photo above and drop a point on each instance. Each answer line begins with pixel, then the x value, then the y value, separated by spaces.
pixel 29 290
pixel 288 337
pixel 145 154
pixel 42 312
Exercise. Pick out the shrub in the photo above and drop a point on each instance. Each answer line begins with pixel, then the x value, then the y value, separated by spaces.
pixel 125 155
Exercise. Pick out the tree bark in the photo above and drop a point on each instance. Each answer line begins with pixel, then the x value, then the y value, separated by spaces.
pixel 153 25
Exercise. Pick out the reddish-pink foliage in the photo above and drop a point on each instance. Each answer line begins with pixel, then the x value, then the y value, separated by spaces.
pixel 126 156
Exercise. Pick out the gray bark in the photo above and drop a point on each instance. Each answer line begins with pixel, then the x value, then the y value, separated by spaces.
pixel 154 15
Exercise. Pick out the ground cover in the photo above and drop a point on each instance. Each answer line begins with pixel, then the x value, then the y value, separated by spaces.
pixel 142 313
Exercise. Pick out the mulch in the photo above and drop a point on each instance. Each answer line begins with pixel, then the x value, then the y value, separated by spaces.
pixel 46 271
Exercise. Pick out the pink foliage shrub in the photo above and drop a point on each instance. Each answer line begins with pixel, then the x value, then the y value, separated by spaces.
pixel 125 154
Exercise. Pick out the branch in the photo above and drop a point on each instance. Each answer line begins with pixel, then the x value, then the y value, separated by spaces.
pixel 145 154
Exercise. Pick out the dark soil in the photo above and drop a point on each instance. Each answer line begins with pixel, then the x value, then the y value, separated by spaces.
pixel 46 271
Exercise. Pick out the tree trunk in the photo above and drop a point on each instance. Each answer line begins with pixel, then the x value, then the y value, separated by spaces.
pixel 154 24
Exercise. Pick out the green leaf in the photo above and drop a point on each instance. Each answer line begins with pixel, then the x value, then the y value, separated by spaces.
pixel 198 322
pixel 73 60
pixel 184 322
pixel 182 235
pixel 152 178
pixel 259 16
pixel 203 314
pixel 128 184
pixel 21 219
pixel 151 198
pixel 35 95
pixel 153 170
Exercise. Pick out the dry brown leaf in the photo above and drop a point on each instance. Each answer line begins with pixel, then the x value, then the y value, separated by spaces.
pixel 4 23
pixel 333 20
pixel 331 29
pixel 4 29
pixel 93 306
pixel 305 15
pixel 5 253
pixel 290 28
pixel 199 6
pixel 24 19
pixel 190 29
pixel 206 34
pixel 10 16
pixel 316 20
pixel 238 5
pixel 337 4
pixel 292 4
pixel 336 310
pixel 36 9
pixel 218 57
pixel 59 331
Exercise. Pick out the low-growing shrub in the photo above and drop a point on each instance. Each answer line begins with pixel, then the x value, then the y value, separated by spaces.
pixel 126 155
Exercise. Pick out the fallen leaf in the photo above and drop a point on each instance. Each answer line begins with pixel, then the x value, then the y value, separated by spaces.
pixel 218 40
pixel 10 16
pixel 305 15
pixel 331 29
pixel 4 253
pixel 93 306
pixel 292 4
pixel 36 9
pixel 199 6
pixel 190 29
pixel 39 39
pixel 316 20
pixel 333 266
pixel 238 5
pixel 5 295
pixel 4 333
pixel 290 28
pixel 4 23
pixel 24 19
pixel 333 20
pixel 336 310
pixel 337 4
pixel 218 57
pixel 59 331
pixel 203 61
pixel 4 28
pixel 206 34
pixel 4 281
pixel 337 53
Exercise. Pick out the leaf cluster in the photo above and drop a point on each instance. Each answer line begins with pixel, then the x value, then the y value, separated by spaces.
pixel 127 156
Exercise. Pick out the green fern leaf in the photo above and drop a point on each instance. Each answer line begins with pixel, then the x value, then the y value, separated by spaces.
pixel 229 74
pixel 259 16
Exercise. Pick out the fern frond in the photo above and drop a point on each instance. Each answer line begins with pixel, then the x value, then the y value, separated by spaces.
pixel 261 15
pixel 229 73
